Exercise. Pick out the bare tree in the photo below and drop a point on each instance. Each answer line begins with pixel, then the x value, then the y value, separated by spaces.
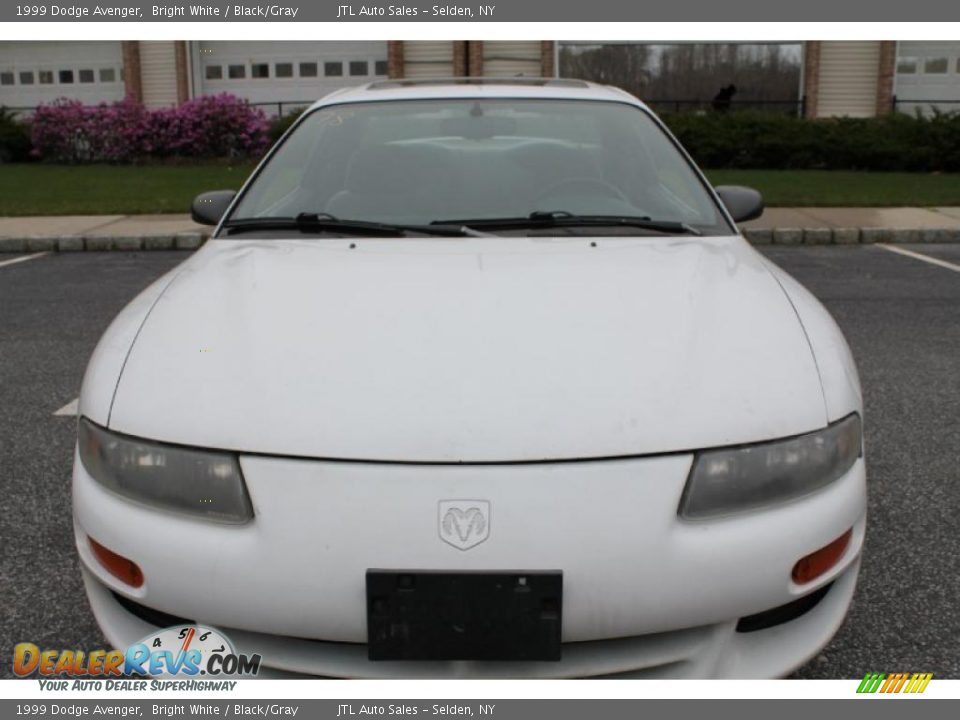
pixel 691 73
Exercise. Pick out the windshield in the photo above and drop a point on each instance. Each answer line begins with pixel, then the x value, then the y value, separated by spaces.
pixel 444 161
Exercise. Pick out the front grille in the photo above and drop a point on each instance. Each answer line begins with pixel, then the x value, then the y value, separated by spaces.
pixel 149 615
pixel 656 655
pixel 782 613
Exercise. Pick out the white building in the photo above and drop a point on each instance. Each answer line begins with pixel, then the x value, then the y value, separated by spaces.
pixel 856 78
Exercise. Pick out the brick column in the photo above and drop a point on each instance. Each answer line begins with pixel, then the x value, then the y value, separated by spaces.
pixel 459 58
pixel 887 71
pixel 395 68
pixel 183 81
pixel 547 68
pixel 132 82
pixel 811 76
pixel 475 58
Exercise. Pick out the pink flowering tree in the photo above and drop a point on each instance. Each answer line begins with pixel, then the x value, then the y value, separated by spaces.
pixel 216 126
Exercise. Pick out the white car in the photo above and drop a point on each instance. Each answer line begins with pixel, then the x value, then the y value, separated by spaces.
pixel 476 378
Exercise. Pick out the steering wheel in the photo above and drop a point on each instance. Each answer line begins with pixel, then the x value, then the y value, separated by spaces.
pixel 588 185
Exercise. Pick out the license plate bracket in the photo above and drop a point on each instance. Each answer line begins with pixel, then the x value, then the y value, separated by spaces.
pixel 473 615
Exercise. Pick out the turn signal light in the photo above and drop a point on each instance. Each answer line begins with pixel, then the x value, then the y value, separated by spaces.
pixel 815 564
pixel 117 565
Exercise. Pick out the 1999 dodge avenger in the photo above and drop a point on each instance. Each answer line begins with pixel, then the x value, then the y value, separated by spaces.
pixel 476 379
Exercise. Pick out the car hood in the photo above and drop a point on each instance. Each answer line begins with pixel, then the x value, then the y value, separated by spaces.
pixel 470 350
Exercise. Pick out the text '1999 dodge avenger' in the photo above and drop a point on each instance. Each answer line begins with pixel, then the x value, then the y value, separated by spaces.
pixel 476 378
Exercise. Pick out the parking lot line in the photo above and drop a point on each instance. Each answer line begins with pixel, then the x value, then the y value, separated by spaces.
pixel 70 409
pixel 23 258
pixel 924 258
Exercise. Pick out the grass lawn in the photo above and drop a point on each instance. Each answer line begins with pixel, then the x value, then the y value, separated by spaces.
pixel 840 188
pixel 35 189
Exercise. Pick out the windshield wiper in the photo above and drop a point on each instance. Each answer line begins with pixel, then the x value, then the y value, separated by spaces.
pixel 323 222
pixel 562 218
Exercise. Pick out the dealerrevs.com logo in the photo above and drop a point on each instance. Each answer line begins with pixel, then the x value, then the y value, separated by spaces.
pixel 179 652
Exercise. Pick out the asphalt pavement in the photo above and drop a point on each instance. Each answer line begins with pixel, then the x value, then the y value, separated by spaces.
pixel 900 313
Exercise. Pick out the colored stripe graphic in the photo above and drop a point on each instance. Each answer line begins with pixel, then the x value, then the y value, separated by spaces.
pixel 919 682
pixel 894 682
pixel 870 683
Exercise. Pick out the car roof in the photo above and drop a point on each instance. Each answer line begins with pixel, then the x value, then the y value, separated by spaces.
pixel 447 88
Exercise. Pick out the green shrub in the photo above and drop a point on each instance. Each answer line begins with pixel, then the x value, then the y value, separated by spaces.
pixel 279 125
pixel 753 140
pixel 15 143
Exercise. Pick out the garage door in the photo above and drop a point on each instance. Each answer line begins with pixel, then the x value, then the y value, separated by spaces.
pixel 512 59
pixel 424 59
pixel 928 76
pixel 158 73
pixel 32 73
pixel 291 73
pixel 848 79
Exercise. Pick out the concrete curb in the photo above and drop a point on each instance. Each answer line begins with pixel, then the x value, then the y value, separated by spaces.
pixel 756 236
pixel 850 235
pixel 98 243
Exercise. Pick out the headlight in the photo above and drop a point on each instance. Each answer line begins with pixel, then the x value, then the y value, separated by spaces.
pixel 195 482
pixel 734 479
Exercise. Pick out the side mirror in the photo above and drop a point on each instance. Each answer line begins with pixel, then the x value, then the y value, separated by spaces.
pixel 743 203
pixel 209 207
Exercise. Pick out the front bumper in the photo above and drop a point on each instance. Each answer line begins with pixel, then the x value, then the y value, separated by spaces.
pixel 645 593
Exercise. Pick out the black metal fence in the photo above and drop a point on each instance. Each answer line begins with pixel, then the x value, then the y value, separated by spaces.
pixel 275 108
pixel 911 106
pixel 280 108
pixel 795 108
pixel 15 111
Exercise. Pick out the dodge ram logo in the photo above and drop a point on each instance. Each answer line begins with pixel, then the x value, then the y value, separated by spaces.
pixel 464 523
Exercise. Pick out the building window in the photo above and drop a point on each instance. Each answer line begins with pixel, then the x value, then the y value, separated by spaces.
pixel 66 77
pixel 283 70
pixel 260 70
pixel 935 66
pixel 26 77
pixel 6 78
pixel 359 68
pixel 46 77
pixel 86 76
pixel 236 72
pixel 380 68
pixel 308 69
pixel 958 64
pixel 108 75
pixel 333 69
pixel 907 66
pixel 213 72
